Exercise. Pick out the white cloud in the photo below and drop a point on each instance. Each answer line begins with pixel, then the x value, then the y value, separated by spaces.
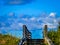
pixel 11 14
pixel 20 24
pixel 55 20
pixel 33 18
pixel 25 19
pixel 50 25
pixel 15 27
pixel 32 22
pixel 52 14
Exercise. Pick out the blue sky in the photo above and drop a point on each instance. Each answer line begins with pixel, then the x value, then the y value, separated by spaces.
pixel 34 13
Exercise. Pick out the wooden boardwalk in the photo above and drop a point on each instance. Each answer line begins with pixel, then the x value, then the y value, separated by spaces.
pixel 27 39
pixel 34 42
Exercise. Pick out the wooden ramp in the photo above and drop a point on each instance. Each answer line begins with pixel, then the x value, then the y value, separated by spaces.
pixel 34 42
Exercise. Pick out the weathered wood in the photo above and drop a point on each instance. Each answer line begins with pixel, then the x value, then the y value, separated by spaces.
pixel 26 32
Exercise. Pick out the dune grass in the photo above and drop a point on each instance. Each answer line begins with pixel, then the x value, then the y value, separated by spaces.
pixel 8 40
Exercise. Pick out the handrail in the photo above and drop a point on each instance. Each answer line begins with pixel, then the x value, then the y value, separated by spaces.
pixel 49 41
pixel 22 41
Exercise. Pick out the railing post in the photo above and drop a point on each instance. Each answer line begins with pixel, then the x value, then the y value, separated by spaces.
pixel 45 31
pixel 26 33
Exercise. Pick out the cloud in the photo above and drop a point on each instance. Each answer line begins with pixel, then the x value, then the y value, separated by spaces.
pixel 17 2
pixel 11 14
pixel 20 24
pixel 50 25
pixel 58 19
pixel 14 25
pixel 52 14
pixel 25 19
pixel 31 22
pixel 33 18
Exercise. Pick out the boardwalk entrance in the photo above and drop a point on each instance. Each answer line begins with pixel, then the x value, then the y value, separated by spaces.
pixel 29 41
